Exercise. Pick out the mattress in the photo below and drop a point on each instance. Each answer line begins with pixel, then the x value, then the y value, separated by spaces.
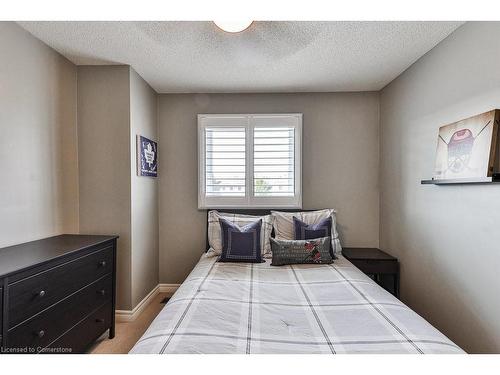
pixel 259 308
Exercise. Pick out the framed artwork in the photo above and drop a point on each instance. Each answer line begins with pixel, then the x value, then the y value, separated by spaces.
pixel 467 148
pixel 147 157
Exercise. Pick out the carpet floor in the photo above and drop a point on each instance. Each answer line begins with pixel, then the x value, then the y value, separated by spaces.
pixel 127 333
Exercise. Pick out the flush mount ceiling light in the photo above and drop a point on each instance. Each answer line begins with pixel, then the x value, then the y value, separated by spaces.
pixel 233 26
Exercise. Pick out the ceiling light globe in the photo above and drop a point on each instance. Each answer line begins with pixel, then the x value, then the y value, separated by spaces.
pixel 233 26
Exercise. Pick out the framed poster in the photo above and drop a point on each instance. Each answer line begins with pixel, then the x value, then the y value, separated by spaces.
pixel 147 157
pixel 467 148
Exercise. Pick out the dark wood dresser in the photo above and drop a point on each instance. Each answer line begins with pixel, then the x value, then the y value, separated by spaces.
pixel 57 295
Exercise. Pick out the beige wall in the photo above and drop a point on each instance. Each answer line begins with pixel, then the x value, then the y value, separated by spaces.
pixel 105 162
pixel 446 237
pixel 340 165
pixel 38 139
pixel 114 105
pixel 144 191
pixel 42 158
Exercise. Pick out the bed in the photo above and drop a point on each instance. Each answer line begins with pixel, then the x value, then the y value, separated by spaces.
pixel 257 308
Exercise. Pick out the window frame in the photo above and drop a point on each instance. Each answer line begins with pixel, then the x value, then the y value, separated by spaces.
pixel 249 122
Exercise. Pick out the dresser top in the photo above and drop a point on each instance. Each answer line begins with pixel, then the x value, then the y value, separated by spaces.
pixel 19 257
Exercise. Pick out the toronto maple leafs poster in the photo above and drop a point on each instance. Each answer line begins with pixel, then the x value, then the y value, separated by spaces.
pixel 147 157
pixel 467 148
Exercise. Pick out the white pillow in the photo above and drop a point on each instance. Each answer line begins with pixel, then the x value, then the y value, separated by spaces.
pixel 284 229
pixel 214 231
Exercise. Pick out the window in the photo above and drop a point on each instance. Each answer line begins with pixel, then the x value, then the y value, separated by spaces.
pixel 249 161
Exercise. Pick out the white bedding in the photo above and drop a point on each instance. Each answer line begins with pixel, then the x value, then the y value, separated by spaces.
pixel 258 308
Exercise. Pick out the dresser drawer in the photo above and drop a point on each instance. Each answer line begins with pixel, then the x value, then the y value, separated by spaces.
pixel 31 295
pixel 88 330
pixel 46 327
pixel 1 312
pixel 376 266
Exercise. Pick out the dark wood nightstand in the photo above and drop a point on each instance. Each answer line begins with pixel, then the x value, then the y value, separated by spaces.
pixel 376 263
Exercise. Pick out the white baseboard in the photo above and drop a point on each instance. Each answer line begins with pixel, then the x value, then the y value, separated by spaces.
pixel 170 289
pixel 131 315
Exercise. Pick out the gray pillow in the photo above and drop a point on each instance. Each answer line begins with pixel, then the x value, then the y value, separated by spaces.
pixel 315 251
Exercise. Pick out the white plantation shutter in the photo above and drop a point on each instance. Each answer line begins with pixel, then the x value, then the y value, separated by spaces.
pixel 225 160
pixel 249 160
pixel 273 161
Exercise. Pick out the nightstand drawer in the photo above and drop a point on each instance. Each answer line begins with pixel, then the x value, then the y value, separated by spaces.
pixel 376 266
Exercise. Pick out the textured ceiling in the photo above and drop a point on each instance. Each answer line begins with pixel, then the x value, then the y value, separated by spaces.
pixel 267 57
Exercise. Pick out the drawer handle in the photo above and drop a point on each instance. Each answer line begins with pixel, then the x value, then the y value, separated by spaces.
pixel 99 320
pixel 40 333
pixel 41 293
pixel 102 292
pixel 102 263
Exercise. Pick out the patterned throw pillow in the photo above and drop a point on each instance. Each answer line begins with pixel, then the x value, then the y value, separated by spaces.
pixel 303 231
pixel 240 244
pixel 316 251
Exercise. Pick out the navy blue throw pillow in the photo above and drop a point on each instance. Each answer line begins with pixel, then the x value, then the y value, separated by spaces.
pixel 303 231
pixel 240 244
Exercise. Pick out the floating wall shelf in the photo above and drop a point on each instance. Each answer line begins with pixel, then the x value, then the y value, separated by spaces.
pixel 462 181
